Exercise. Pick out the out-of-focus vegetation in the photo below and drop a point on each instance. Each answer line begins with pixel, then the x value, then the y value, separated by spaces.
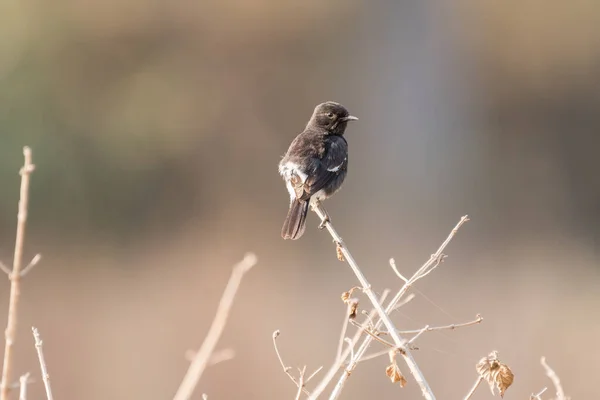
pixel 157 128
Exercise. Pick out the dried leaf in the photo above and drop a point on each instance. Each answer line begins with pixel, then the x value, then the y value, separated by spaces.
pixel 340 254
pixel 504 379
pixel 496 374
pixel 345 296
pixel 353 309
pixel 393 372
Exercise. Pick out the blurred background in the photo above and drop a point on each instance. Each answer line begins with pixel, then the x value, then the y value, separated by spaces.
pixel 157 127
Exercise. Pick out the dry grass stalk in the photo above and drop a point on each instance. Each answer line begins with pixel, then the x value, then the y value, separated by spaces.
pixel 44 369
pixel 560 393
pixel 203 356
pixel 15 274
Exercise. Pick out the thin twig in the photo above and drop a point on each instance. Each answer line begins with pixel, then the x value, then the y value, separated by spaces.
pixel 15 275
pixel 560 394
pixel 474 388
pixel 403 302
pixel 44 369
pixel 477 320
pixel 313 374
pixel 350 346
pixel 23 386
pixel 374 355
pixel 350 349
pixel 538 396
pixel 412 340
pixel 200 361
pixel 301 383
pixel 340 348
pixel 5 269
pixel 215 358
pixel 374 335
pixel 34 261
pixel 395 268
pixel 431 263
pixel 287 369
pixel 383 316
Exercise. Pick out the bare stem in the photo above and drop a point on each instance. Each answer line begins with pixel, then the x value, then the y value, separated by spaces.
pixel 432 263
pixel 538 395
pixel 340 348
pixel 216 357
pixel 301 383
pixel 560 394
pixel 477 320
pixel 474 388
pixel 349 351
pixel 383 316
pixel 287 369
pixel 23 386
pixel 414 338
pixel 203 356
pixel 40 352
pixel 15 275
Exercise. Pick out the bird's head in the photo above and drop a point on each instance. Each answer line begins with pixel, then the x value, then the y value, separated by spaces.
pixel 331 116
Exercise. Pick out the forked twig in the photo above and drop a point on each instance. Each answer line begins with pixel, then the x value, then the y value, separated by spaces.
pixel 202 357
pixel 349 350
pixel 300 384
pixel 15 274
pixel 399 342
pixel 478 320
pixel 538 395
pixel 426 268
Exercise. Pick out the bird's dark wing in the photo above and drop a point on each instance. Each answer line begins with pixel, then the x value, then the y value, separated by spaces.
pixel 333 163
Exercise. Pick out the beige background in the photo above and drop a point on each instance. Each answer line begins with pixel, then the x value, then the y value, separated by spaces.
pixel 157 128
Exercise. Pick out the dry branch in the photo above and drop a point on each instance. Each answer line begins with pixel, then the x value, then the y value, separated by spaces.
pixel 44 369
pixel 349 350
pixel 560 393
pixel 477 320
pixel 399 342
pixel 301 382
pixel 16 273
pixel 538 395
pixel 474 388
pixel 23 386
pixel 203 356
pixel 425 269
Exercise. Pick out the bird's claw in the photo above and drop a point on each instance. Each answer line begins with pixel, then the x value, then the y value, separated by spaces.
pixel 324 222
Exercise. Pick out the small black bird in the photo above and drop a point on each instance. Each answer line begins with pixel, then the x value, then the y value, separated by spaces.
pixel 315 165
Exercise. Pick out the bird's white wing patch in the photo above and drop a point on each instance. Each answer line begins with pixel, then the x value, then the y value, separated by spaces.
pixel 336 168
pixel 291 168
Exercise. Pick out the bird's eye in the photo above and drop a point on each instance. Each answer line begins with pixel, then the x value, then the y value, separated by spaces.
pixel 330 115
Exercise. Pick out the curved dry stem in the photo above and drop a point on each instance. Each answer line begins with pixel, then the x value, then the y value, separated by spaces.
pixel 203 356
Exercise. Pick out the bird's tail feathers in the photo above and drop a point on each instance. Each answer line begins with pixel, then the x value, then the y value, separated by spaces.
pixel 295 222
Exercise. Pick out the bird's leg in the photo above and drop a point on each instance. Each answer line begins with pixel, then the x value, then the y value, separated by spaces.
pixel 326 219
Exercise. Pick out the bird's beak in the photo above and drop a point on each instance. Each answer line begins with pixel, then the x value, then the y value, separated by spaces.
pixel 350 118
